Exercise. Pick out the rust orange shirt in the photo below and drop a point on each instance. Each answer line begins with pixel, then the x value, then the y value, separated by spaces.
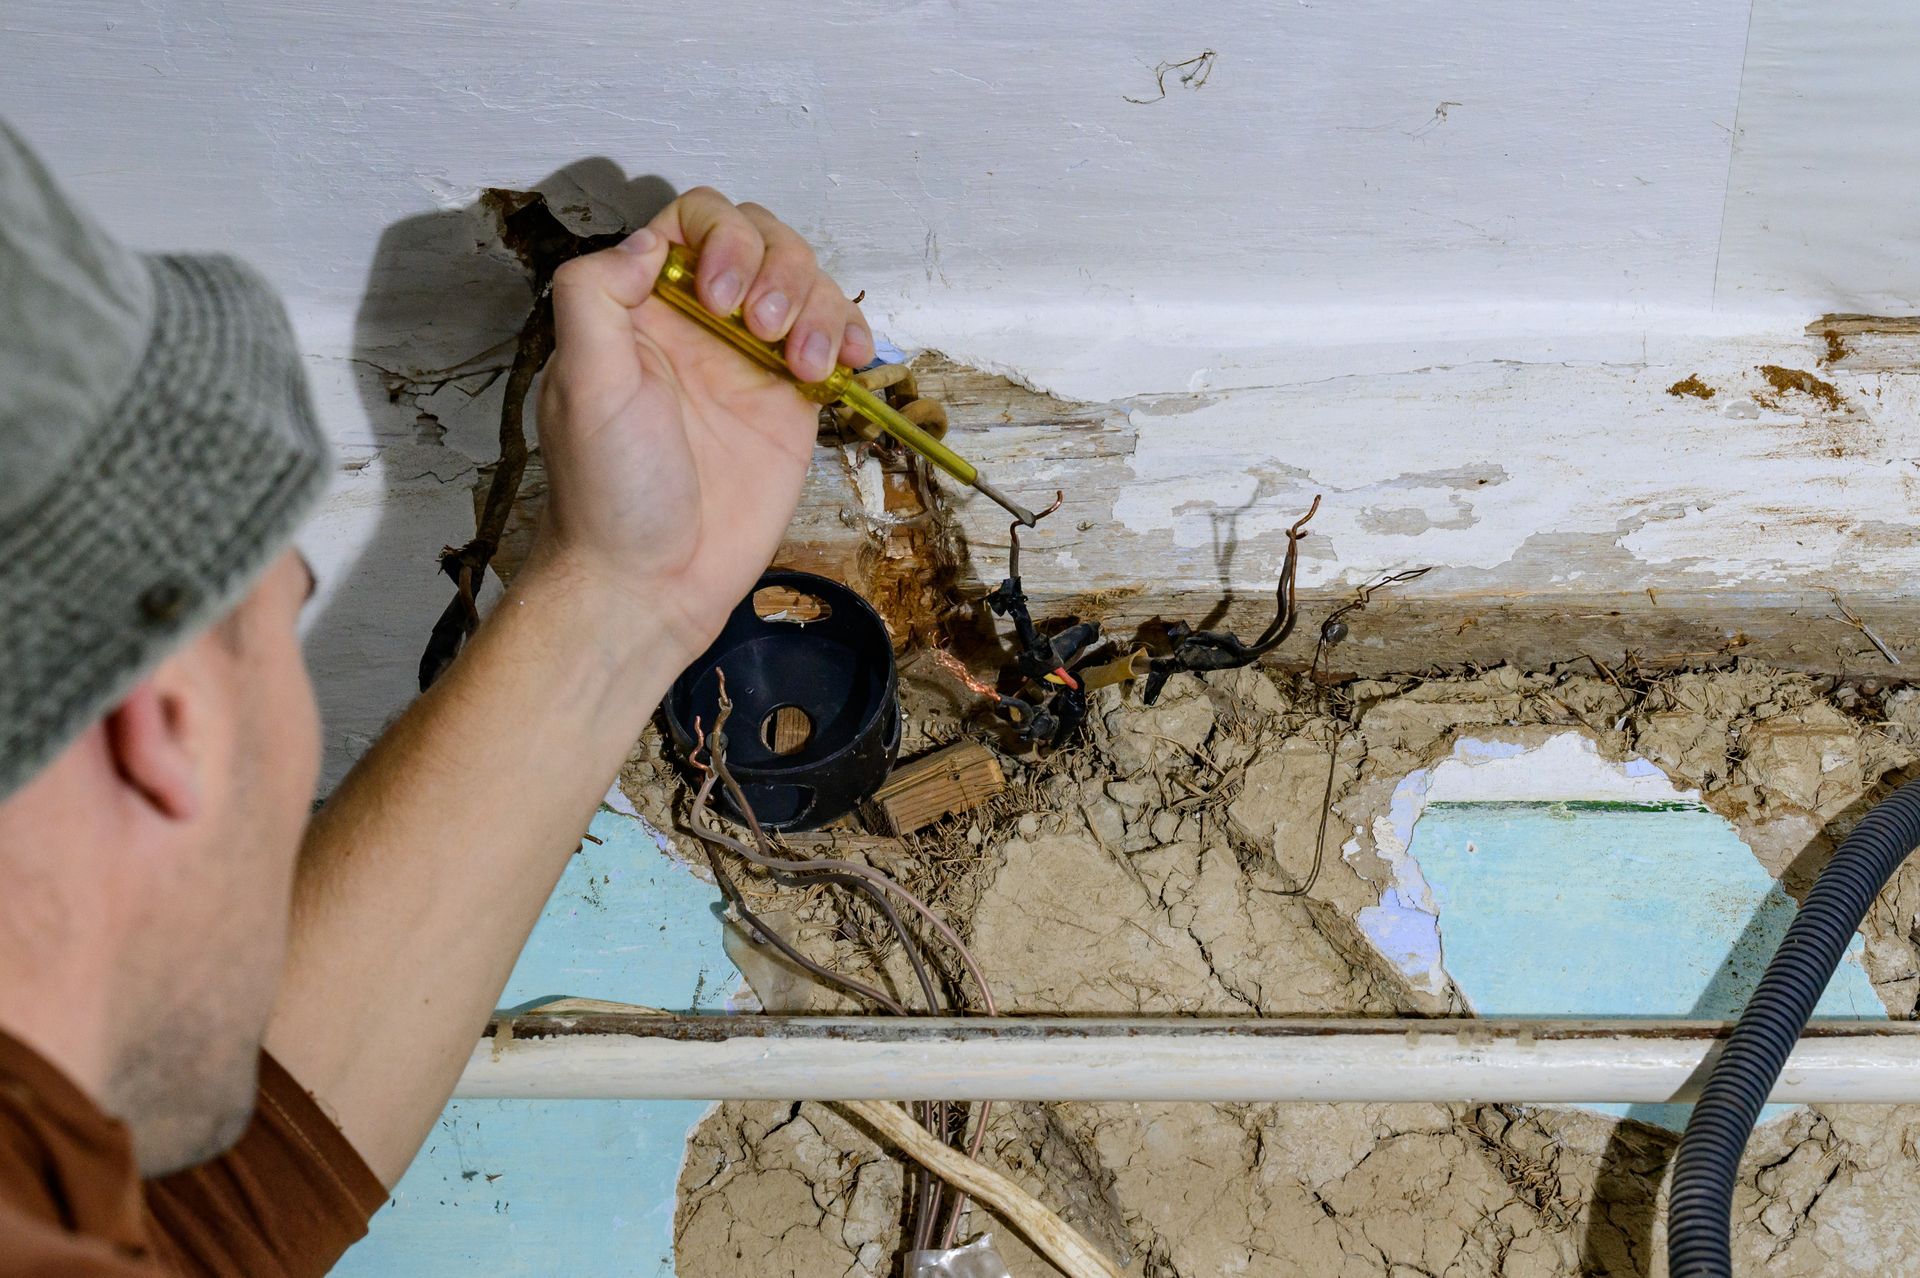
pixel 285 1201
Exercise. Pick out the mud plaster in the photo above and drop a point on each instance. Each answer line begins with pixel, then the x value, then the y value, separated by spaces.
pixel 1145 872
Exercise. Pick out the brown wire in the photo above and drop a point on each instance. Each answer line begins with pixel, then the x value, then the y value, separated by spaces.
pixel 737 900
pixel 768 861
pixel 1013 533
pixel 1286 595
pixel 1326 808
pixel 765 858
pixel 933 1116
pixel 1361 598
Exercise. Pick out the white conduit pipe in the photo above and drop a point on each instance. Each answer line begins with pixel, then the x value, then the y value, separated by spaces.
pixel 1165 1059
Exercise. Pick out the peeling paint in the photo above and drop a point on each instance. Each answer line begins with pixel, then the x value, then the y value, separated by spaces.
pixel 1626 487
pixel 1411 521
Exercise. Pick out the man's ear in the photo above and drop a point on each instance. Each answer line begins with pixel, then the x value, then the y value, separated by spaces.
pixel 147 738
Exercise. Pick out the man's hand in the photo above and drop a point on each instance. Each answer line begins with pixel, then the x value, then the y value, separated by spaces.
pixel 674 464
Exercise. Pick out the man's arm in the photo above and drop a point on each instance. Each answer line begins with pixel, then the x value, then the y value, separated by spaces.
pixel 674 466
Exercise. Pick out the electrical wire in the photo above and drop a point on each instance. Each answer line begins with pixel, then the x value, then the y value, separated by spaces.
pixel 1334 628
pixel 952 665
pixel 737 900
pixel 934 1115
pixel 1013 532
pixel 1332 631
pixel 766 860
pixel 1286 609
pixel 1197 652
pixel 868 882
pixel 1326 810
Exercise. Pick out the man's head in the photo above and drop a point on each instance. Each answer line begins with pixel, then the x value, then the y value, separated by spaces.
pixel 158 736
pixel 152 860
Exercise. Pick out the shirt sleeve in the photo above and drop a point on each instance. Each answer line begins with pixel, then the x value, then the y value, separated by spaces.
pixel 285 1202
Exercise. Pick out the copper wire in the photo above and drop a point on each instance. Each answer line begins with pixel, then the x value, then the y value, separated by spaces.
pixel 1013 533
pixel 951 664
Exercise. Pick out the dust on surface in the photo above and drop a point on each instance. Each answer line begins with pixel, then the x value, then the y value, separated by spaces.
pixel 1691 385
pixel 1151 870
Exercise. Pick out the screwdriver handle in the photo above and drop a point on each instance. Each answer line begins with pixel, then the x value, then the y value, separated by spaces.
pixel 887 418
pixel 676 287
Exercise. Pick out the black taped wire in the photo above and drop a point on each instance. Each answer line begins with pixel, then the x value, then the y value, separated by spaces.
pixel 1699 1244
pixel 1196 651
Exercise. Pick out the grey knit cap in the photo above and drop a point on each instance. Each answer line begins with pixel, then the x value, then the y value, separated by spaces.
pixel 157 450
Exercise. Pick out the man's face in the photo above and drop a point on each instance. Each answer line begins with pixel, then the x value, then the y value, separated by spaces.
pixel 220 913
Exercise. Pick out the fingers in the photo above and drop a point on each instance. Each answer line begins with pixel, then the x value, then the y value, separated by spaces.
pixel 594 295
pixel 751 259
pixel 730 247
pixel 818 331
pixel 857 350
pixel 787 274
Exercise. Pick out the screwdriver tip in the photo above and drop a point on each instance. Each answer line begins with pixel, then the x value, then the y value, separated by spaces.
pixel 1026 517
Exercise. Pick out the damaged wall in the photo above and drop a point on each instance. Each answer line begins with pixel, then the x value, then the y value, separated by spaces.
pixel 1150 872
pixel 1503 283
pixel 1439 265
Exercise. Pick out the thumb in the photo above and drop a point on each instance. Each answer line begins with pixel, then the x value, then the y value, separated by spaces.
pixel 594 298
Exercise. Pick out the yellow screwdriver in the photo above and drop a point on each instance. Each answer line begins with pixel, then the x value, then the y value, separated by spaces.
pixel 675 287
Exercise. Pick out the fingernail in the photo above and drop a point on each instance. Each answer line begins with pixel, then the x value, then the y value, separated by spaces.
pixel 640 242
pixel 813 353
pixel 726 291
pixel 771 310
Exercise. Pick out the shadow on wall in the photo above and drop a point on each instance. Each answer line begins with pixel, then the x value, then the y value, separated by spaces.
pixel 1620 1238
pixel 1620 1241
pixel 433 338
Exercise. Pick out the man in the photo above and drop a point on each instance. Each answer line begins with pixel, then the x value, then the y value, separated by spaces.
pixel 162 914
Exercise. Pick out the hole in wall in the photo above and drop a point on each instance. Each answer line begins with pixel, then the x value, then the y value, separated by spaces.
pixel 1545 880
pixel 782 603
pixel 786 730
